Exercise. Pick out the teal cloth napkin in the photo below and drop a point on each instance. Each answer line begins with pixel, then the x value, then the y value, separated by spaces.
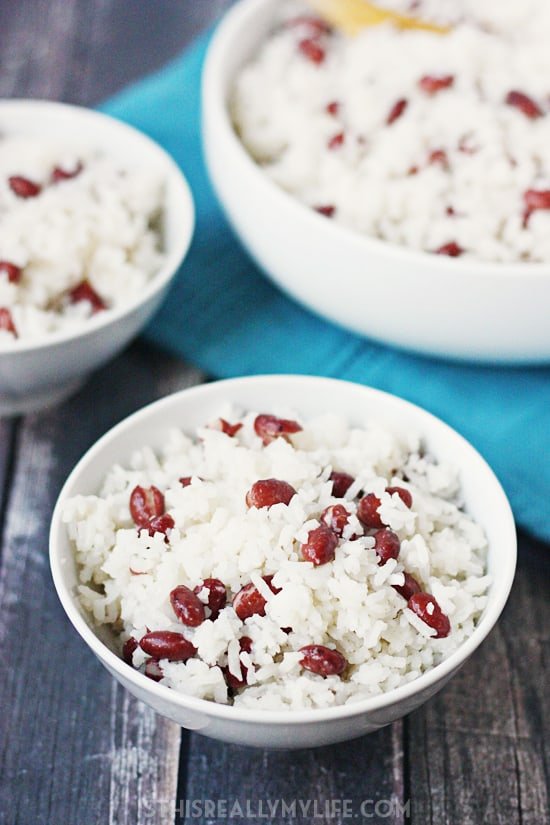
pixel 225 317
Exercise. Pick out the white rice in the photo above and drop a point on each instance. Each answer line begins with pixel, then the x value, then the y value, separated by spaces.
pixel 101 226
pixel 380 180
pixel 348 604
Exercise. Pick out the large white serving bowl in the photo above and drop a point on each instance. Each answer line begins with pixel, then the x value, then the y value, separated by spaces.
pixel 484 499
pixel 40 373
pixel 430 303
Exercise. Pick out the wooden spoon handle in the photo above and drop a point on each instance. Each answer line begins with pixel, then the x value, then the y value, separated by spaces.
pixel 351 16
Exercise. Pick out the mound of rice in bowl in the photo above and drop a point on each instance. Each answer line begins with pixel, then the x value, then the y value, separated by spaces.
pixel 79 235
pixel 438 143
pixel 281 564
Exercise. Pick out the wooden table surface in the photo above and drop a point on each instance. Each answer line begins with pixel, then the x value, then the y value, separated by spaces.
pixel 76 748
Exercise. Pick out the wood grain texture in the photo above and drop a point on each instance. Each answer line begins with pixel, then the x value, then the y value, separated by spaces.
pixel 81 51
pixel 479 751
pixel 75 746
pixel 325 785
pixel 7 447
pixel 81 749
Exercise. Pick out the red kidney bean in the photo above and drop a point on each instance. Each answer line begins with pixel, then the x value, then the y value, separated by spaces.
pixel 227 428
pixel 439 156
pixel 12 271
pixel 386 544
pixel 230 429
pixel 185 481
pixel 336 141
pixel 187 606
pixel 311 50
pixel 403 494
pixel 250 602
pixel 269 427
pixel 232 681
pixel 315 24
pixel 23 187
pixel 428 609
pixel 335 518
pixel 245 644
pixel 59 174
pixel 322 660
pixel 341 482
pixel 525 104
pixel 333 108
pixel 145 504
pixel 161 524
pixel 269 491
pixel 409 587
pixel 128 648
pixel 432 83
pixel 396 111
pixel 217 595
pixel 153 670
pixel 367 511
pixel 84 291
pixel 327 211
pixel 6 322
pixel 165 644
pixel 452 249
pixel 320 546
pixel 535 199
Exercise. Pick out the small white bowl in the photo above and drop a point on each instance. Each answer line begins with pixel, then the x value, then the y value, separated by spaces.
pixel 484 498
pixel 37 374
pixel 430 303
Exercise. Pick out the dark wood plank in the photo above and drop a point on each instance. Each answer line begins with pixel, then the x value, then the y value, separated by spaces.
pixel 7 437
pixel 479 751
pixel 361 779
pixel 77 748
pixel 81 51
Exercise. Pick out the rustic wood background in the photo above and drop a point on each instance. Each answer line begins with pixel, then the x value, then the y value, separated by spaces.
pixel 76 748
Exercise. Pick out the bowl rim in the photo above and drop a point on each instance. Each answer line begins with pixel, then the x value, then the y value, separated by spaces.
pixel 496 601
pixel 214 93
pixel 172 260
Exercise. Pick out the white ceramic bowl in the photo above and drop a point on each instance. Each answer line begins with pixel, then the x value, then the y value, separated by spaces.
pixel 484 498
pixel 37 374
pixel 430 303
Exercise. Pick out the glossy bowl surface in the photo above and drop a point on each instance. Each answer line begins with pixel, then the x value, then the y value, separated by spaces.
pixel 449 307
pixel 37 374
pixel 484 498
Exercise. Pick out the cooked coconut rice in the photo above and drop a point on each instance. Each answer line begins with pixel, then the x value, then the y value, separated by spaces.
pixel 438 143
pixel 201 491
pixel 79 235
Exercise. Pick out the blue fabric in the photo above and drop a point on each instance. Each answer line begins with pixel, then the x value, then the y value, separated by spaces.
pixel 226 318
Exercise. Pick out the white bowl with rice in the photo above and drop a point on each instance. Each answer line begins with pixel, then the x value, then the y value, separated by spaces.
pixel 408 144
pixel 252 667
pixel 95 220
